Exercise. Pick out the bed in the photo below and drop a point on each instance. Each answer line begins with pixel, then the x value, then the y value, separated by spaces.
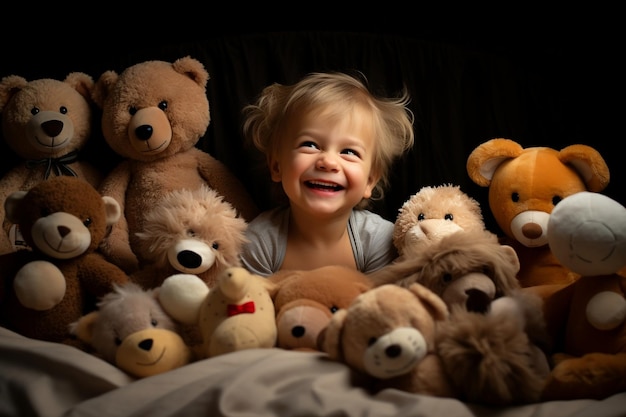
pixel 48 380
pixel 463 94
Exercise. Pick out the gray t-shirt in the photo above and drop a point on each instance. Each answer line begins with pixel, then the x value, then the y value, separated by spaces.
pixel 370 237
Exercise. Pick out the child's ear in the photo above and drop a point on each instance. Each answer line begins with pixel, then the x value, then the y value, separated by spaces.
pixel 372 180
pixel 275 170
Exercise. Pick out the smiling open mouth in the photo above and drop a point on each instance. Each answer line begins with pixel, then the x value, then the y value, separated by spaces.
pixel 326 186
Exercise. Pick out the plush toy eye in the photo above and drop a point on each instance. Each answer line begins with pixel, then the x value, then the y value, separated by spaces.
pixel 371 341
pixel 132 110
pixel 45 212
pixel 87 222
pixel 446 278
pixel 421 217
pixel 163 105
pixel 63 110
pixel 154 322
pixel 515 197
pixel 191 232
pixel 556 200
pixel 448 216
pixel 34 110
pixel 118 341
pixel 334 309
pixel 215 245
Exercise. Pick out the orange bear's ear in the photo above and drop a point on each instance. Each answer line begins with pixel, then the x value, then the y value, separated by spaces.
pixel 487 157
pixel 589 164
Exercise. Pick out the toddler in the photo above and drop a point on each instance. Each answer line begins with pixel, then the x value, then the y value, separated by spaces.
pixel 329 142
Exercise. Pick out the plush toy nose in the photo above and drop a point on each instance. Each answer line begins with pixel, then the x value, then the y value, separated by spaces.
pixel 144 132
pixel 146 344
pixel 189 259
pixel 477 301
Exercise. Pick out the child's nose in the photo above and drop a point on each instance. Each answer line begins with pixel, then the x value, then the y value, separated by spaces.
pixel 326 161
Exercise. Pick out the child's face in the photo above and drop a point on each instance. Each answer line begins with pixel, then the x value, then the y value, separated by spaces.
pixel 325 162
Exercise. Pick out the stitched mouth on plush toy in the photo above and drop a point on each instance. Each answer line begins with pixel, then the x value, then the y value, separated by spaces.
pixel 155 361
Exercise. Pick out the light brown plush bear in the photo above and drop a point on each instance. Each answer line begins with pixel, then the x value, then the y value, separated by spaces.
pixel 131 330
pixel 431 213
pixel 389 334
pixel 305 301
pixel 47 123
pixel 189 231
pixel 43 290
pixel 153 115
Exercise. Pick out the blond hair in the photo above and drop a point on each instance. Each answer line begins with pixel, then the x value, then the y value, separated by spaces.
pixel 265 120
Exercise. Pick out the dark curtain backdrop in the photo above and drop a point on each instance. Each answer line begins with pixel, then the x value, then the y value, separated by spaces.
pixel 464 91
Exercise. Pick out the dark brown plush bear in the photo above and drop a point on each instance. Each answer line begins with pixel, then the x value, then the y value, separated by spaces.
pixel 63 219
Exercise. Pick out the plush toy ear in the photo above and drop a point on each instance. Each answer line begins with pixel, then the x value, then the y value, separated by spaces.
pixel 487 157
pixel 193 69
pixel 103 87
pixel 83 327
pixel 12 206
pixel 434 303
pixel 329 339
pixel 113 210
pixel 9 86
pixel 589 164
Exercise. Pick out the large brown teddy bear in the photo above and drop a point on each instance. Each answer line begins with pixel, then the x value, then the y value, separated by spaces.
pixel 524 186
pixel 305 301
pixel 47 123
pixel 153 115
pixel 43 290
pixel 189 231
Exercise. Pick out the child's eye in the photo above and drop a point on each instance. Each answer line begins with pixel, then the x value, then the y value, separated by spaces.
pixel 351 152
pixel 308 144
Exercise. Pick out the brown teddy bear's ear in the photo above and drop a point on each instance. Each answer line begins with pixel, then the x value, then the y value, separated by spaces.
pixel 193 69
pixel 81 82
pixel 83 328
pixel 329 339
pixel 589 164
pixel 486 157
pixel 10 85
pixel 113 210
pixel 103 86
pixel 431 301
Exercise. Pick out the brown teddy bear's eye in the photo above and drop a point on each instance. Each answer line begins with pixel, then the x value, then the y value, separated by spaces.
pixel 154 322
pixel 448 216
pixel 446 278
pixel 163 105
pixel 371 341
pixel 215 245
pixel 556 200
pixel 34 110
pixel 334 309
pixel 118 341
pixel 515 197
pixel 87 222
pixel 191 232
pixel 132 110
pixel 420 217
pixel 63 110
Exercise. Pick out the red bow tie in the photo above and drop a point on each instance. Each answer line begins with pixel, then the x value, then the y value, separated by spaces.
pixel 234 309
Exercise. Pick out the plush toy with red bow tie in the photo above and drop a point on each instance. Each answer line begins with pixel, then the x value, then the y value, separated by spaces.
pixel 237 313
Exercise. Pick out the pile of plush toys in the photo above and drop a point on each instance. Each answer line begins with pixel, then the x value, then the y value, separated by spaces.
pixel 145 259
